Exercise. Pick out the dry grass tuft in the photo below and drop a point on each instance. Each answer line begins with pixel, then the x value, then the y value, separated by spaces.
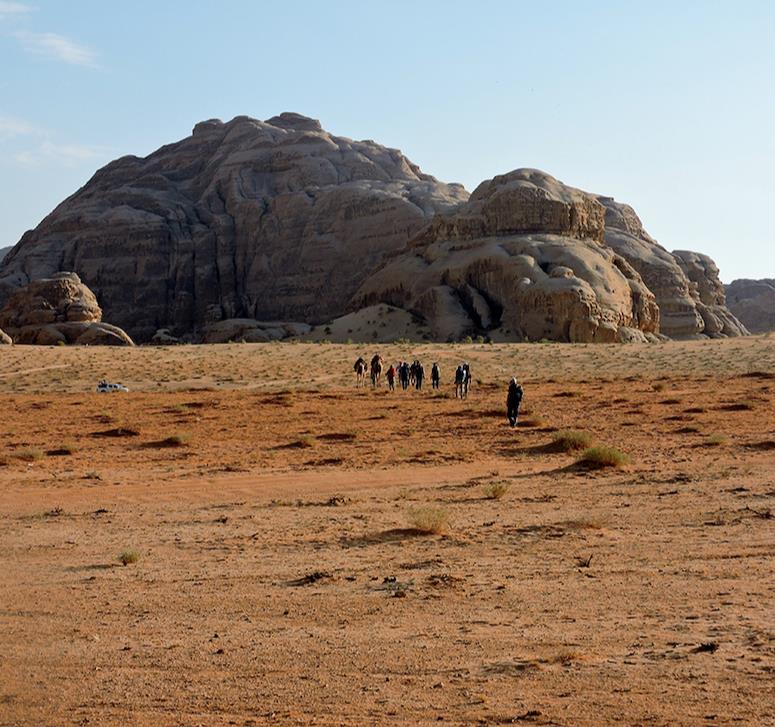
pixel 128 556
pixel 495 490
pixel 569 440
pixel 430 520
pixel 603 456
pixel 30 454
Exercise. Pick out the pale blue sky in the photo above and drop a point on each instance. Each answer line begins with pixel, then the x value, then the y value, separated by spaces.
pixel 668 106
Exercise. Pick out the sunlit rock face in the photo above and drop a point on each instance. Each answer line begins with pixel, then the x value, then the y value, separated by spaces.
pixel 524 259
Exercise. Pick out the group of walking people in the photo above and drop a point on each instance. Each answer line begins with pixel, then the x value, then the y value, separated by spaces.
pixel 411 374
pixel 407 374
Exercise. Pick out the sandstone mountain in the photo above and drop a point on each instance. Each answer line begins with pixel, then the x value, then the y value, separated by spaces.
pixel 753 303
pixel 55 310
pixel 256 230
pixel 269 220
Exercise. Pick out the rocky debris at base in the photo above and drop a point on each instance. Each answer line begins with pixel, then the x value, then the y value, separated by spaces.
pixel 235 330
pixel 58 310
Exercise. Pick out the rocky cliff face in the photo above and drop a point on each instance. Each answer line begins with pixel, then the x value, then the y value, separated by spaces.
pixel 708 293
pixel 753 303
pixel 60 309
pixel 523 259
pixel 247 226
pixel 274 220
pixel 660 271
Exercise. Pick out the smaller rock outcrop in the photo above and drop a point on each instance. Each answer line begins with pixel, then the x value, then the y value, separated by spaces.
pixel 5 339
pixel 753 303
pixel 58 310
pixel 524 259
pixel 709 295
pixel 661 272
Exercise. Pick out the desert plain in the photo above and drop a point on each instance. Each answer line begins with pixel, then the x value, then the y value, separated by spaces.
pixel 301 551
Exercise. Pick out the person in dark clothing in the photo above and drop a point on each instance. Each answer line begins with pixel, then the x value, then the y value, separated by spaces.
pixel 467 379
pixel 403 373
pixel 513 401
pixel 419 375
pixel 435 376
pixel 460 376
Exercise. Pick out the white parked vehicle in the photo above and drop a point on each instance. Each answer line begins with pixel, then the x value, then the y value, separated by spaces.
pixel 105 387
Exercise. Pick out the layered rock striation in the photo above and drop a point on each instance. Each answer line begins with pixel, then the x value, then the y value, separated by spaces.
pixel 709 295
pixel 267 220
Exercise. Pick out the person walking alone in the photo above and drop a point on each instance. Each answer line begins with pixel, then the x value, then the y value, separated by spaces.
pixel 513 402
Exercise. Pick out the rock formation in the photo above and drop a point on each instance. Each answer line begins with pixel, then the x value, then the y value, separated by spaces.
pixel 660 271
pixel 267 220
pixel 244 226
pixel 524 260
pixel 55 310
pixel 709 295
pixel 4 251
pixel 753 303
pixel 5 339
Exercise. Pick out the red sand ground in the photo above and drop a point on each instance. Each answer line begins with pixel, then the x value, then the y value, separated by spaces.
pixel 281 574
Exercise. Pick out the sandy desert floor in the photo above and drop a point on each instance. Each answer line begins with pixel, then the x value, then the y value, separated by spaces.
pixel 283 574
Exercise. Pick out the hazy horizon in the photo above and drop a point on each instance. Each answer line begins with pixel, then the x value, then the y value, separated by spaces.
pixel 663 108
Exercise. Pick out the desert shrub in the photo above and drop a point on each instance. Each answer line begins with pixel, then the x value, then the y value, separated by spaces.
pixel 431 520
pixel 495 490
pixel 569 440
pixel 658 386
pixel 306 441
pixel 128 556
pixel 175 440
pixel 715 440
pixel 30 454
pixel 603 456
